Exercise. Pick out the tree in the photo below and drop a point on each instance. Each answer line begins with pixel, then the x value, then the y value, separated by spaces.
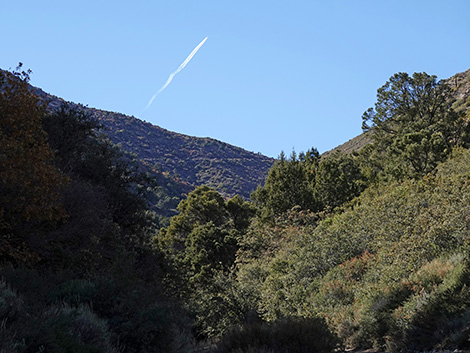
pixel 72 135
pixel 288 184
pixel 103 200
pixel 204 236
pixel 413 124
pixel 30 184
pixel 338 179
pixel 201 243
pixel 309 182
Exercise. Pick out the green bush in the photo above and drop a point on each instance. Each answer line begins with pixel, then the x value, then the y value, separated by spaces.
pixel 441 318
pixel 296 335
pixel 52 313
pixel 64 329
pixel 76 291
pixel 10 304
pixel 423 311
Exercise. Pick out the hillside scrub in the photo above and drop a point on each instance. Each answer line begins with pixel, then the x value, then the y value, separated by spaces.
pixel 378 247
pixel 389 272
pixel 367 250
pixel 78 272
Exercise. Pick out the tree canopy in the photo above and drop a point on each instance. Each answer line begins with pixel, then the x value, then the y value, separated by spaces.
pixel 30 184
pixel 413 125
pixel 310 182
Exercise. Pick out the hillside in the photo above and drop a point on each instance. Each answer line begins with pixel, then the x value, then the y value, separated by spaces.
pixel 460 83
pixel 198 161
pixel 354 144
pixel 367 251
pixel 180 162
pixel 192 161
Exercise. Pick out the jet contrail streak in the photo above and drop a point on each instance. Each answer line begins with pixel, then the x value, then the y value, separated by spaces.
pixel 170 78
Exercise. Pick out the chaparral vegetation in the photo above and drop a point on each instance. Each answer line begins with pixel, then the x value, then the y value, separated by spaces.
pixel 360 248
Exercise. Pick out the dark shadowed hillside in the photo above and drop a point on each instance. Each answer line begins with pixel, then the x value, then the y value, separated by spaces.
pixel 192 161
pixel 199 161
pixel 178 163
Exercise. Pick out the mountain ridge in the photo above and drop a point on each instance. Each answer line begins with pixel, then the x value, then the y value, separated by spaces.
pixel 190 160
pixel 229 169
pixel 195 161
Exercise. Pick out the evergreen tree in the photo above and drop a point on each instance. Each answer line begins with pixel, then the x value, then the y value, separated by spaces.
pixel 201 243
pixel 310 183
pixel 288 184
pixel 204 236
pixel 338 179
pixel 413 125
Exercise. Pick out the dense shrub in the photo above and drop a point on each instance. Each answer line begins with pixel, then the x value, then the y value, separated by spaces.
pixel 45 311
pixel 295 335
pixel 64 329
pixel 387 272
pixel 10 304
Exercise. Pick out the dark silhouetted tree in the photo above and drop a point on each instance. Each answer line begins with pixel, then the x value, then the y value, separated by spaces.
pixel 30 184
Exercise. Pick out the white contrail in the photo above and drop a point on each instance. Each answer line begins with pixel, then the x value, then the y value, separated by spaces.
pixel 170 78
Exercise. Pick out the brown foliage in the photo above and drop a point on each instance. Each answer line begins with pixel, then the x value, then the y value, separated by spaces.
pixel 29 183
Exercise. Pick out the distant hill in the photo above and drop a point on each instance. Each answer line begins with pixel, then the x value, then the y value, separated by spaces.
pixel 198 161
pixel 461 85
pixel 181 162
pixel 185 161
pixel 354 144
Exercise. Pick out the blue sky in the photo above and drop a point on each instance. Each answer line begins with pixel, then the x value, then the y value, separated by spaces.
pixel 272 75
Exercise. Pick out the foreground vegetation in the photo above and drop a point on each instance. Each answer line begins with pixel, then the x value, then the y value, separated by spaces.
pixel 363 250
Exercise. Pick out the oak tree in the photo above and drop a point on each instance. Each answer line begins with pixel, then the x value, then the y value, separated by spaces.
pixel 29 183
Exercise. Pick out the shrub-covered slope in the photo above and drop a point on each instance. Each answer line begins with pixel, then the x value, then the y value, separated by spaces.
pixel 366 250
pixel 198 161
pixel 191 161
pixel 391 272
pixel 375 243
